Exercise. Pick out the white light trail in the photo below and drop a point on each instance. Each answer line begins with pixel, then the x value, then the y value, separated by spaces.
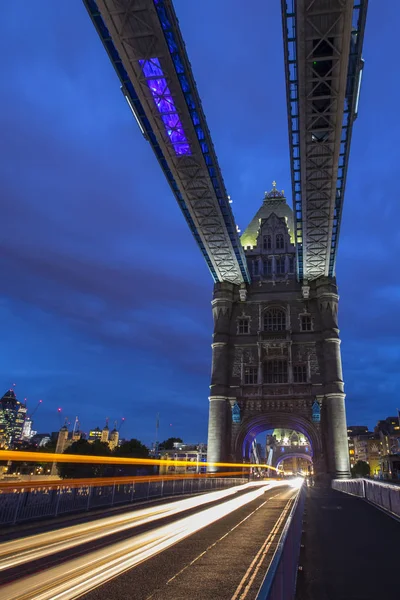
pixel 77 576
pixel 30 548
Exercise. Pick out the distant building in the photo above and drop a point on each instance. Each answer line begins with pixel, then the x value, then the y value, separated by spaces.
pixel 114 438
pixel 389 434
pixel 390 466
pixel 195 453
pixel 352 431
pixel 105 433
pixel 94 434
pixel 368 448
pixel 27 430
pixel 40 439
pixel 12 417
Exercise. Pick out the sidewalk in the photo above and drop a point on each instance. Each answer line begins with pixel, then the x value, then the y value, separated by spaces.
pixel 351 550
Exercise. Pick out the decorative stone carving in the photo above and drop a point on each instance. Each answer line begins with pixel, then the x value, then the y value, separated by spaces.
pixel 237 362
pixel 314 365
pixel 301 352
pixel 243 293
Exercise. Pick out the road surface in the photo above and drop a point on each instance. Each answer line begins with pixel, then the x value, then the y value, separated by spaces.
pixel 217 545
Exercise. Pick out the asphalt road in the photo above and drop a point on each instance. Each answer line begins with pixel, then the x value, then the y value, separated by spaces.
pixel 213 546
pixel 226 560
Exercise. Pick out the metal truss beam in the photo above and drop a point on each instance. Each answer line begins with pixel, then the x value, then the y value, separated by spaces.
pixel 144 43
pixel 323 45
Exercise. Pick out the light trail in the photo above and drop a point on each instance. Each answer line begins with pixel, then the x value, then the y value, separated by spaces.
pixel 33 547
pixel 109 481
pixel 48 457
pixel 80 575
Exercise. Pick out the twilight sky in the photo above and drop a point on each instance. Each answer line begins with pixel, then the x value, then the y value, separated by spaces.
pixel 105 305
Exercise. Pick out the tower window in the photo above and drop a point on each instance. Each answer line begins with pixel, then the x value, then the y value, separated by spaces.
pixel 255 267
pixel 243 326
pixel 250 375
pixel 268 267
pixel 275 371
pixel 267 242
pixel 300 373
pixel 274 320
pixel 306 323
pixel 280 265
pixel 291 264
pixel 279 242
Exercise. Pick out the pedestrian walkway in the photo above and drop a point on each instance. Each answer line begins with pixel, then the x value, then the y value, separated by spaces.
pixel 351 550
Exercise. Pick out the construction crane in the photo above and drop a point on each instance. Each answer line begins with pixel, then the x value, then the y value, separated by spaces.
pixel 35 409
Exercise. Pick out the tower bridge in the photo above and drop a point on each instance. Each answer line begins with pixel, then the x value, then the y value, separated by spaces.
pixel 276 346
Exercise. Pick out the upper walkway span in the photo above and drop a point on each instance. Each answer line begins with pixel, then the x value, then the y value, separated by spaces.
pixel 144 43
pixel 323 45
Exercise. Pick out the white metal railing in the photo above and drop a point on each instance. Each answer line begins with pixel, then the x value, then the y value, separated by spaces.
pixel 38 503
pixel 381 494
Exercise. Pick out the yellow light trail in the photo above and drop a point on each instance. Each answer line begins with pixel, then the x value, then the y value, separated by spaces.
pixel 108 481
pixel 21 456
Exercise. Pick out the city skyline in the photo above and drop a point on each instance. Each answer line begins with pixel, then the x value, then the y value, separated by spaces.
pixel 107 297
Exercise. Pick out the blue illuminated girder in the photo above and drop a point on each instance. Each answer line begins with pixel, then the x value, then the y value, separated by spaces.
pixel 321 220
pixel 226 257
pixel 165 105
pixel 176 47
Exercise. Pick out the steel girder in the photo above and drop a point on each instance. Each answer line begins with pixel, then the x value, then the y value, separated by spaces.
pixel 323 45
pixel 144 43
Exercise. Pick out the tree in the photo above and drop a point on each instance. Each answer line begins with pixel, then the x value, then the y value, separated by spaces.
pixel 76 470
pixel 169 443
pixel 132 449
pixel 361 469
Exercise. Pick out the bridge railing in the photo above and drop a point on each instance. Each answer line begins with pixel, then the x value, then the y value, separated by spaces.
pixel 280 580
pixel 27 502
pixel 381 494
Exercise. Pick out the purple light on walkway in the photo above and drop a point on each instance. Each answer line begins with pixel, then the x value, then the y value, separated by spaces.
pixel 164 102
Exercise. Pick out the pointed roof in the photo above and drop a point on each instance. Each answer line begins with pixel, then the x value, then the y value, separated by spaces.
pixel 10 394
pixel 274 202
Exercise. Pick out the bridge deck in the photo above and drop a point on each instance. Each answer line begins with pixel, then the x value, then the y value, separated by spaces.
pixel 351 550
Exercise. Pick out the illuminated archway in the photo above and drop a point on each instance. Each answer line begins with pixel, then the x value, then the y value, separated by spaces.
pixel 253 426
pixel 293 455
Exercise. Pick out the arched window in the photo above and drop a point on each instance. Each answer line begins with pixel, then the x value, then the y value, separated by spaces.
pixel 267 242
pixel 279 242
pixel 274 320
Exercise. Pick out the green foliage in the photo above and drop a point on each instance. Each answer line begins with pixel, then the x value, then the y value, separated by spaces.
pixel 361 469
pixel 132 449
pixel 169 443
pixel 81 471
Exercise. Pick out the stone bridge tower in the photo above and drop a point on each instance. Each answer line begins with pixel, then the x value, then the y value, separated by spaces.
pixel 276 350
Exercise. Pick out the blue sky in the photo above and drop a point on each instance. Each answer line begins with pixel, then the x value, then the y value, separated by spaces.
pixel 105 304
